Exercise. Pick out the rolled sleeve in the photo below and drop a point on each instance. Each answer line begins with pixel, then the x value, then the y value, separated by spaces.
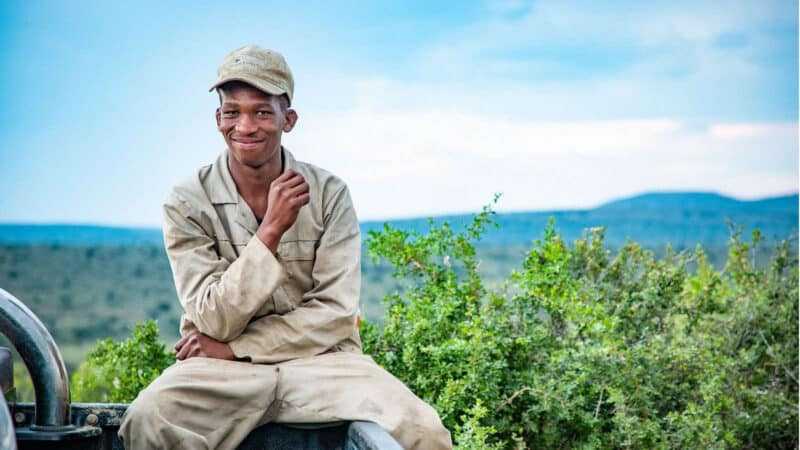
pixel 328 311
pixel 219 297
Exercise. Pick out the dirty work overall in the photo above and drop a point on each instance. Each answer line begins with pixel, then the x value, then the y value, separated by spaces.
pixel 292 314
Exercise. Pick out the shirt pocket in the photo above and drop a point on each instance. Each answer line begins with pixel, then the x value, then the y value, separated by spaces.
pixel 297 258
pixel 297 250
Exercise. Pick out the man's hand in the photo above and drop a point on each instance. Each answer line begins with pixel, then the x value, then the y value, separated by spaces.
pixel 287 194
pixel 198 344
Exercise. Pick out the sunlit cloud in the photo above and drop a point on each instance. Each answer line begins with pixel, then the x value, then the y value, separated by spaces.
pixel 403 162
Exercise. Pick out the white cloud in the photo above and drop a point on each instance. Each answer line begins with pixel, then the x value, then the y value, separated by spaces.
pixel 404 161
pixel 735 131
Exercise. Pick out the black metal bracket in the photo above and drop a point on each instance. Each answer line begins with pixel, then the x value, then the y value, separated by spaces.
pixel 41 356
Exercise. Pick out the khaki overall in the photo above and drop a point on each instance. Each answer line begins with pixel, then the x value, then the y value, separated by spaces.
pixel 292 314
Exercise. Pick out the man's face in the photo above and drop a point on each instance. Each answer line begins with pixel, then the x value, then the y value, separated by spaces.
pixel 252 123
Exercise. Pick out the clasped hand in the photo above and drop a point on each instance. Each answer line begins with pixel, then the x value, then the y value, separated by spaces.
pixel 198 344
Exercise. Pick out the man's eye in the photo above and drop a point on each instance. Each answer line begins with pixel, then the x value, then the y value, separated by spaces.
pixel 264 113
pixel 229 114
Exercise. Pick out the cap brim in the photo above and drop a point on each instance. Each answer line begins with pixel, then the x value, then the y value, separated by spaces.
pixel 257 83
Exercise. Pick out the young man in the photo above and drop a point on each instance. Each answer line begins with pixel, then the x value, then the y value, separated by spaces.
pixel 265 252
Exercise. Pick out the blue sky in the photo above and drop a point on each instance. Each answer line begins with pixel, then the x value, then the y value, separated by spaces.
pixel 422 107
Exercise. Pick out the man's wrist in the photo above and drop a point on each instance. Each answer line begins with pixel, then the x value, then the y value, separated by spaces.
pixel 227 353
pixel 270 237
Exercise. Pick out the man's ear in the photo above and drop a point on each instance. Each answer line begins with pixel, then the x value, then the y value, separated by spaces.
pixel 291 120
pixel 218 117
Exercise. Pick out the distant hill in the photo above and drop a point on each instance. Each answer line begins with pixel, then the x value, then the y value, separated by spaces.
pixel 652 219
pixel 683 219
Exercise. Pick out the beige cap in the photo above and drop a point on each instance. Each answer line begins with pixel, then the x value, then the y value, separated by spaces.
pixel 264 69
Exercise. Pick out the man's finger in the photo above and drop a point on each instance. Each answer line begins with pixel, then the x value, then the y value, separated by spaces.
pixel 295 180
pixel 301 199
pixel 181 342
pixel 184 351
pixel 284 176
pixel 300 189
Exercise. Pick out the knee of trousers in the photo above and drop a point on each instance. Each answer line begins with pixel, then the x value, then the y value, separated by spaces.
pixel 140 417
pixel 432 430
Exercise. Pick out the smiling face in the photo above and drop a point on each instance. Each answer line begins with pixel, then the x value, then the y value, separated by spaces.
pixel 252 122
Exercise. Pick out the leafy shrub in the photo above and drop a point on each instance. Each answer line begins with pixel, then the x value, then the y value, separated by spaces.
pixel 116 371
pixel 582 348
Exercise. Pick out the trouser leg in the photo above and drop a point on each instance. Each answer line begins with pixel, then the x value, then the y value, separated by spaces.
pixel 200 403
pixel 348 386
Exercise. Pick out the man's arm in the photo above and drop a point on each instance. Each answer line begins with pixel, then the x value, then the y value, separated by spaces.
pixel 328 311
pixel 219 297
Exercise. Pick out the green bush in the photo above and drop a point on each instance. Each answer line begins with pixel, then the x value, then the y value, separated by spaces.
pixel 116 371
pixel 582 348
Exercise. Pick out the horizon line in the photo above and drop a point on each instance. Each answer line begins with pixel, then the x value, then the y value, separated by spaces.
pixel 420 217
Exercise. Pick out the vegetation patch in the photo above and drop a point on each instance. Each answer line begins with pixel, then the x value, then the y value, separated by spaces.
pixel 587 348
pixel 581 347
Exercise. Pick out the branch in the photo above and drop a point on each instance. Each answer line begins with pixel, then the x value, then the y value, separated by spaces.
pixel 599 402
pixel 772 354
pixel 513 396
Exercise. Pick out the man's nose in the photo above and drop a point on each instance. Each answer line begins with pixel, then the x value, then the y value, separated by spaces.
pixel 246 124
